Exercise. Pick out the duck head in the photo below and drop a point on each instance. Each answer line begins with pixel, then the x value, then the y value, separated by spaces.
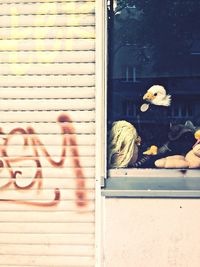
pixel 157 95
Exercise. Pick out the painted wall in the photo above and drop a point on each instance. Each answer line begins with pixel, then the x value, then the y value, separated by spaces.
pixel 151 232
pixel 47 133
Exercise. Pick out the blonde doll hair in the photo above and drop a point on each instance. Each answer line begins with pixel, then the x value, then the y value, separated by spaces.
pixel 122 139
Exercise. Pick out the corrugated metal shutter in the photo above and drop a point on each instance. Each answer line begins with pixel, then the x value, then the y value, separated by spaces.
pixel 47 134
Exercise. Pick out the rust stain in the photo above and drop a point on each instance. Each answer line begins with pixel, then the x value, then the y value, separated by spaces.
pixel 31 140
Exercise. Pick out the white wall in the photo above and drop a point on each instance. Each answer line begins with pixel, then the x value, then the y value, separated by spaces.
pixel 151 232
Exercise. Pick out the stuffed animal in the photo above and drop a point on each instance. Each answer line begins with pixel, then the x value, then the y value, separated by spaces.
pixel 176 161
pixel 191 160
pixel 180 139
pixel 156 95
pixel 152 119
pixel 193 157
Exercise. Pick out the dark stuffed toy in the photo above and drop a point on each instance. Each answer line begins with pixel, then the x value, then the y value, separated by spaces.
pixel 153 116
pixel 179 141
pixel 190 160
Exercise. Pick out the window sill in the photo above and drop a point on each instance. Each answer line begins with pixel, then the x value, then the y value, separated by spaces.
pixel 153 183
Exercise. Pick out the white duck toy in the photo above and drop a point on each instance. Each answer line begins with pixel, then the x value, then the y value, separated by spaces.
pixel 156 95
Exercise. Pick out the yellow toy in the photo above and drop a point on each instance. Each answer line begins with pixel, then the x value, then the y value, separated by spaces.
pixel 153 150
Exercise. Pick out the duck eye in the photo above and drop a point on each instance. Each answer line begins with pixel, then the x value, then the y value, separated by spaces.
pixel 155 94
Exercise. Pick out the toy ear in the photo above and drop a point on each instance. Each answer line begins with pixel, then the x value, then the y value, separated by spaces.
pixel 190 125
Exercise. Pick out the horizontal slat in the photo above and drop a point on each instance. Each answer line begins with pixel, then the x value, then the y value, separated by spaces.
pixel 51 139
pixel 44 116
pixel 47 250
pixel 46 195
pixel 30 185
pixel 43 261
pixel 47 57
pixel 47 44
pixel 52 174
pixel 48 8
pixel 85 161
pixel 77 205
pixel 47 93
pixel 62 181
pixel 85 32
pixel 46 227
pixel 40 266
pixel 47 69
pixel 55 152
pixel 47 20
pixel 62 239
pixel 51 80
pixel 42 104
pixel 27 153
pixel 38 205
pixel 46 217
pixel 51 128
pixel 40 1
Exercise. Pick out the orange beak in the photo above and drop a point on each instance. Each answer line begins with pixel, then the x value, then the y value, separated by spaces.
pixel 148 96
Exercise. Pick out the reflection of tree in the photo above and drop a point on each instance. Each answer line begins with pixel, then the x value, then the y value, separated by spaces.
pixel 168 28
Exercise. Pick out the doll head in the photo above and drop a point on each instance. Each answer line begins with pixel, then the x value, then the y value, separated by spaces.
pixel 123 144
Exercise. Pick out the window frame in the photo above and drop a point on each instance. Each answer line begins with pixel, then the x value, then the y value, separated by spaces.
pixel 131 182
pixel 101 91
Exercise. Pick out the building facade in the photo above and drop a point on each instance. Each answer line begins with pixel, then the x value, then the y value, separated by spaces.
pixel 53 106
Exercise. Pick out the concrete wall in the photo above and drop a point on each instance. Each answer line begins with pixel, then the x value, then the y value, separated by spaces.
pixel 151 232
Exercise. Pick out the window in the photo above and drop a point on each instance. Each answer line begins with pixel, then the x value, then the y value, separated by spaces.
pixel 153 84
pixel 129 73
pixel 181 111
pixel 129 109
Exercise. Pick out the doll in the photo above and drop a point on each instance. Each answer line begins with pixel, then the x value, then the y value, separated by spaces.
pixel 123 145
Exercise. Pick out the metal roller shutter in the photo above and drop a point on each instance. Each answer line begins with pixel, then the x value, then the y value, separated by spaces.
pixel 47 133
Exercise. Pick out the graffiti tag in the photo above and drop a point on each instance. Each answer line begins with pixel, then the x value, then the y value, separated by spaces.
pixel 31 139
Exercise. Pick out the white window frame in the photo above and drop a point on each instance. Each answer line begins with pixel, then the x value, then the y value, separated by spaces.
pixel 101 90
pixel 156 183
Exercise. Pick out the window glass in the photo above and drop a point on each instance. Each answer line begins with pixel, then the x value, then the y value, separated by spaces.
pixel 154 83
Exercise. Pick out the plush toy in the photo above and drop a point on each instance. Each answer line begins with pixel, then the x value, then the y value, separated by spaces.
pixel 156 95
pixel 181 138
pixel 123 145
pixel 152 119
pixel 193 157
pixel 191 160
pixel 176 161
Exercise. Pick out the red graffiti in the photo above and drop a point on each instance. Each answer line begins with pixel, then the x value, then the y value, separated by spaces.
pixel 31 139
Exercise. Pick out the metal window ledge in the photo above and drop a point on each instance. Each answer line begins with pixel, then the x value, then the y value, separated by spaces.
pixel 152 183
